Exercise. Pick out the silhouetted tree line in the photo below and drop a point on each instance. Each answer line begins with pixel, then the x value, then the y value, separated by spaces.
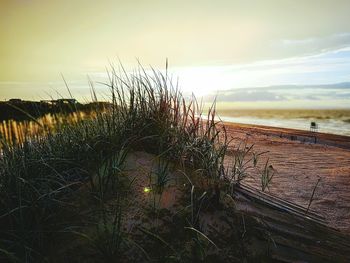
pixel 17 109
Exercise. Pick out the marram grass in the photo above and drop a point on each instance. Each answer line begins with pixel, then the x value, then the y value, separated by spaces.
pixel 44 164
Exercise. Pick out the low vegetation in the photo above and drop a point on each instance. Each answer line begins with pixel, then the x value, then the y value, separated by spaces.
pixel 68 193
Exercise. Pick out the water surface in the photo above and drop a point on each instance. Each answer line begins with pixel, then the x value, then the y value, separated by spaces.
pixel 329 121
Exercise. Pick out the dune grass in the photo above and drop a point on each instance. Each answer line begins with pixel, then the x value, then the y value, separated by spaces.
pixel 41 176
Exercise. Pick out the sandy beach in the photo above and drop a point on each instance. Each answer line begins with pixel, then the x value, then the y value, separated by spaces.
pixel 300 159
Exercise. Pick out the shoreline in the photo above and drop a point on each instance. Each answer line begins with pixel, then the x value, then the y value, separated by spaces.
pixel 329 121
pixel 336 140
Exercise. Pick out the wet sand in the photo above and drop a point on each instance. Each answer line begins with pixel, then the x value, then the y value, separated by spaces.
pixel 300 158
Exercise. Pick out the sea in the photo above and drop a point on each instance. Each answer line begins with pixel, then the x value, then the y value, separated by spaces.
pixel 328 121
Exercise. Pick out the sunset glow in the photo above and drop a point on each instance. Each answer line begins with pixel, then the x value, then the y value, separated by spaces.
pixel 229 45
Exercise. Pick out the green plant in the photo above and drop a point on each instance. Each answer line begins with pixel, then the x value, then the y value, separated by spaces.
pixel 312 195
pixel 41 175
pixel 161 175
pixel 267 175
pixel 107 177
pixel 200 241
pixel 244 159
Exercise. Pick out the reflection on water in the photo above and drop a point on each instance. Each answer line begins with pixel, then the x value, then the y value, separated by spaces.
pixel 329 121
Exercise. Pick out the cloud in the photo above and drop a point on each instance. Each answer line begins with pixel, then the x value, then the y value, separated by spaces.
pixel 248 95
pixel 319 44
pixel 332 92
pixel 324 68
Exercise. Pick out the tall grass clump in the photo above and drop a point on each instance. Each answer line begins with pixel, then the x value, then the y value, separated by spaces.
pixel 41 175
pixel 17 132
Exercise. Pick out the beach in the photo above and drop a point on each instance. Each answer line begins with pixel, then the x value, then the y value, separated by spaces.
pixel 300 159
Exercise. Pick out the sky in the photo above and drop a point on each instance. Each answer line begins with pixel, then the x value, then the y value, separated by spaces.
pixel 211 46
